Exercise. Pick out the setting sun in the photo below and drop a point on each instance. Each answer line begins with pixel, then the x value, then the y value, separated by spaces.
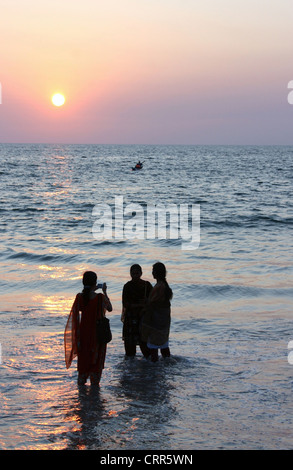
pixel 58 99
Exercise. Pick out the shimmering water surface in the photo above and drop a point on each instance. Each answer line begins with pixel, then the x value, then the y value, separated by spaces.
pixel 228 384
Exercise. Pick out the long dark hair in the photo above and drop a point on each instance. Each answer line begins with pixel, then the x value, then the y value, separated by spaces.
pixel 89 280
pixel 159 273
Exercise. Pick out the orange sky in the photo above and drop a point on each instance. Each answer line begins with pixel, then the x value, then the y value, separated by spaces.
pixel 146 71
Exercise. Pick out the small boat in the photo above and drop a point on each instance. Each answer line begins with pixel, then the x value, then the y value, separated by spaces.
pixel 138 166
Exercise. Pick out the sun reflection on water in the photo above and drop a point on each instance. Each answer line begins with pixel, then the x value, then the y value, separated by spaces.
pixel 54 303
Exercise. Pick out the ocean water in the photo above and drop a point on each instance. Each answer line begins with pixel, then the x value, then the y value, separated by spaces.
pixel 228 383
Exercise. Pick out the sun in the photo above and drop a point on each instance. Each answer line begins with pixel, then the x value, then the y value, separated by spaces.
pixel 58 99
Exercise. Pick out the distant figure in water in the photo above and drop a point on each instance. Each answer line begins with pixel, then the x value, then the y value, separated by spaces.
pixel 80 332
pixel 158 316
pixel 134 297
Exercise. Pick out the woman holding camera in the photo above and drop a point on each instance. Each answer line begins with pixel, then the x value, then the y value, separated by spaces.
pixel 80 333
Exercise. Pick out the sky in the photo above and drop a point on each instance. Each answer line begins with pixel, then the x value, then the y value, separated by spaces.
pixel 146 71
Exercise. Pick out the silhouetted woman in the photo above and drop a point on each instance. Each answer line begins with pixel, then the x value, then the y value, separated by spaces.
pixel 134 297
pixel 159 307
pixel 80 332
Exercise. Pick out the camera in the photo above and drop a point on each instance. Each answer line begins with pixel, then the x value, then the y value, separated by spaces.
pixel 100 285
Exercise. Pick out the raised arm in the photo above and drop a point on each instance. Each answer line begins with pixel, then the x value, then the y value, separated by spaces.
pixel 107 303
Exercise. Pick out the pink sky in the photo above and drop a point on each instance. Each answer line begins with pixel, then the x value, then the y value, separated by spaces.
pixel 146 71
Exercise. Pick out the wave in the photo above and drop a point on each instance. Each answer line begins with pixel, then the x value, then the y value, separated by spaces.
pixel 218 292
pixel 77 255
pixel 247 221
pixel 24 209
pixel 41 258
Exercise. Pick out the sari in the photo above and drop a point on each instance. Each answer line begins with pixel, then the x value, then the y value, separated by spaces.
pixel 157 319
pixel 80 335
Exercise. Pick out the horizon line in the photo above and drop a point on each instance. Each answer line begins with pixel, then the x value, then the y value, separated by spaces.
pixel 149 144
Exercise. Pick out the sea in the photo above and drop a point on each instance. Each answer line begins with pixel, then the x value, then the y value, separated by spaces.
pixel 228 382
